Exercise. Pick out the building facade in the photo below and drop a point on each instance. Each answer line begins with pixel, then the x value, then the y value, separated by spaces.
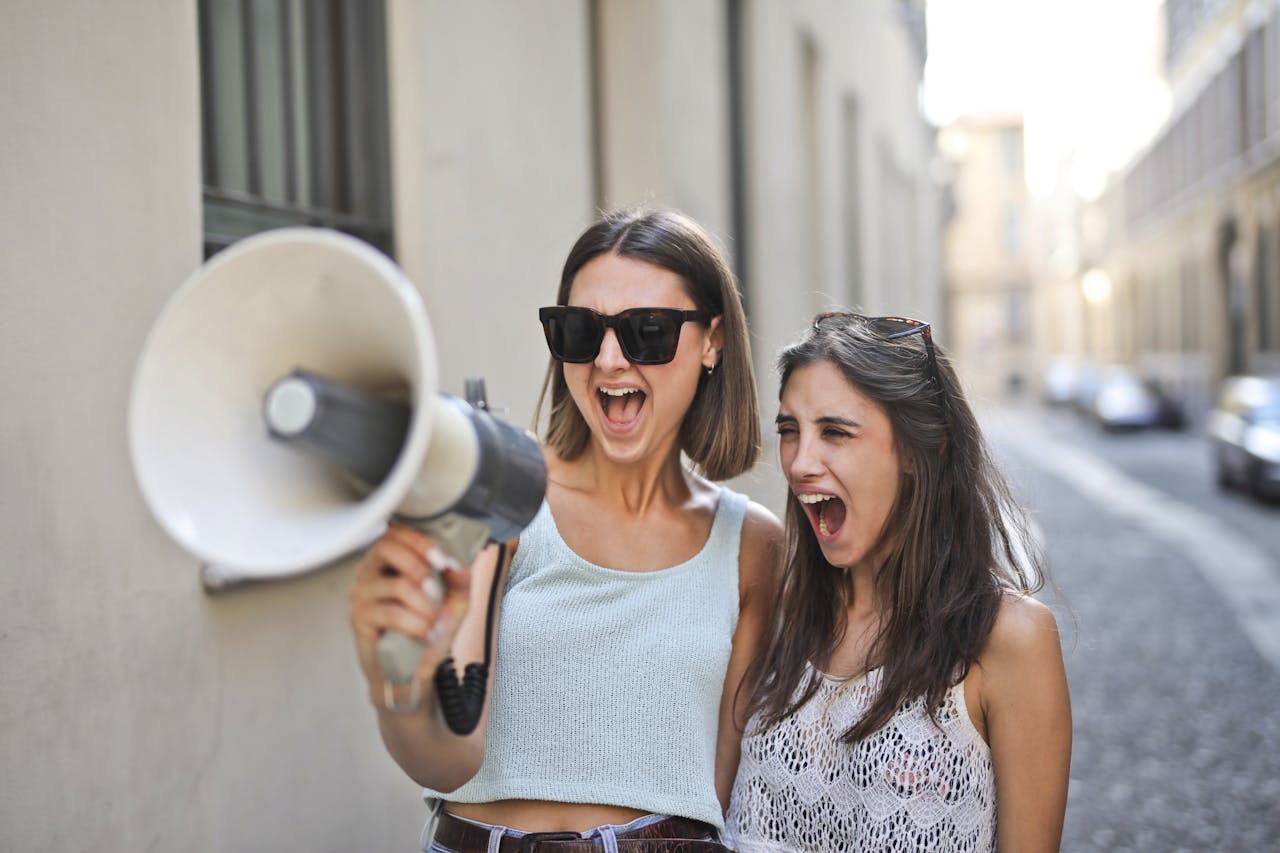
pixel 473 141
pixel 1193 247
pixel 985 255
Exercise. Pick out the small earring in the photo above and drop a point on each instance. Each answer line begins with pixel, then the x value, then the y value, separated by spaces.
pixel 710 369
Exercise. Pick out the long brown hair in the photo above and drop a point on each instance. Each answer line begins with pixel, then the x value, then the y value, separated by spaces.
pixel 956 540
pixel 721 430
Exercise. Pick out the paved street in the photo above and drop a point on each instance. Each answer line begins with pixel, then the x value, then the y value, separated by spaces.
pixel 1169 597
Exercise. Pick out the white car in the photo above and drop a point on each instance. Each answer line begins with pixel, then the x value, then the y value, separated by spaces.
pixel 1124 400
pixel 1244 429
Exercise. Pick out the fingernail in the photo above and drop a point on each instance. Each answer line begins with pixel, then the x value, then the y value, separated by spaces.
pixel 433 589
pixel 441 560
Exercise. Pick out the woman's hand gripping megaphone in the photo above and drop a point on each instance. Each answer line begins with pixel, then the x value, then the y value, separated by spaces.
pixel 406 584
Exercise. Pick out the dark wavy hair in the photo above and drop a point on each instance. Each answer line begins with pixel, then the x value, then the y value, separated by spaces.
pixel 955 539
pixel 721 430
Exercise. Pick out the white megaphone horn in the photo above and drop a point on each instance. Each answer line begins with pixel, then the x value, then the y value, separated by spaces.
pixel 285 406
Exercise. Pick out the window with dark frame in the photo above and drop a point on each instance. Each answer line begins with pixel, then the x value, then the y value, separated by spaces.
pixel 294 118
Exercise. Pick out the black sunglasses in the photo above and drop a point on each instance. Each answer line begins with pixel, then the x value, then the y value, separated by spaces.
pixel 890 328
pixel 646 335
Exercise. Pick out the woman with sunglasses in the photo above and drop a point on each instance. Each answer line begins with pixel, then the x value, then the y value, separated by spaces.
pixel 632 603
pixel 912 695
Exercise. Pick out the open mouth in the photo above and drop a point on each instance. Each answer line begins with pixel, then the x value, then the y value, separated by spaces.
pixel 826 513
pixel 620 406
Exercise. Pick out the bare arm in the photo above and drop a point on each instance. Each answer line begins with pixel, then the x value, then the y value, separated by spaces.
pixel 1027 711
pixel 388 595
pixel 759 562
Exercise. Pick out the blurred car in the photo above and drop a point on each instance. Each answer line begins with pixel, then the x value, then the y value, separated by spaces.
pixel 1244 430
pixel 1122 399
pixel 1060 381
pixel 1171 414
pixel 1084 390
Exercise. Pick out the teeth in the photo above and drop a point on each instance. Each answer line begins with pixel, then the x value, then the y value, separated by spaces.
pixel 619 392
pixel 822 515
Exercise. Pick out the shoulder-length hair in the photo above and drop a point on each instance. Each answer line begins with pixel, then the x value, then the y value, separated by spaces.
pixel 721 430
pixel 956 541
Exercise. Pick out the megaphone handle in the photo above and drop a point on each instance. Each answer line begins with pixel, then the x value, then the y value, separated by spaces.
pixel 461 538
pixel 398 656
pixel 461 701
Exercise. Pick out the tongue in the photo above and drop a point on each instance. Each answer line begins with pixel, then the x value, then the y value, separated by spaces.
pixel 623 409
pixel 832 513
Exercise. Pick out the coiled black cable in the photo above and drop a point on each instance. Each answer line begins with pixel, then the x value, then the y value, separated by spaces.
pixel 462 703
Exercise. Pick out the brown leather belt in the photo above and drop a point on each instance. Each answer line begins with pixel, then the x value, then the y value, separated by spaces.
pixel 671 835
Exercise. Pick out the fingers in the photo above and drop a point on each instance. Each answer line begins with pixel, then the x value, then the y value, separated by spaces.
pixel 401 549
pixel 398 587
pixel 439 638
pixel 393 617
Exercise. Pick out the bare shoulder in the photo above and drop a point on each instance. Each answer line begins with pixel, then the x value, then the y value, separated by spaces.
pixel 1023 627
pixel 760 527
pixel 760 554
pixel 1025 715
pixel 1024 647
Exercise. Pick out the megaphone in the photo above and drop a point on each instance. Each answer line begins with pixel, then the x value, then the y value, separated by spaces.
pixel 285 407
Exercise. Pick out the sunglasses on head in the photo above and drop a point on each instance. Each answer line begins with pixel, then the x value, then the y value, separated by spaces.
pixel 889 328
pixel 646 335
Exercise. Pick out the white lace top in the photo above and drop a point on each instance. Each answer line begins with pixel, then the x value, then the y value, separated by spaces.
pixel 911 786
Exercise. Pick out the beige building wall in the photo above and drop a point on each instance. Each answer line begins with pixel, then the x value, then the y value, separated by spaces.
pixel 985 256
pixel 664 122
pixel 1193 236
pixel 137 710
pixel 842 208
pixel 489 192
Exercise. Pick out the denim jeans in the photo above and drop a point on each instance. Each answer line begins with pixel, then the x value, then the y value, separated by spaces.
pixel 607 833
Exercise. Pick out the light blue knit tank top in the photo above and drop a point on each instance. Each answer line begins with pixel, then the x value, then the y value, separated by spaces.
pixel 607 683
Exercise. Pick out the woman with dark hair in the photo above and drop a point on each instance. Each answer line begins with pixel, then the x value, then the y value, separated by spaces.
pixel 912 695
pixel 633 602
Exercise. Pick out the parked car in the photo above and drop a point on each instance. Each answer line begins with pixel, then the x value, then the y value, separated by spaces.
pixel 1244 430
pixel 1060 380
pixel 1122 399
pixel 1084 389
